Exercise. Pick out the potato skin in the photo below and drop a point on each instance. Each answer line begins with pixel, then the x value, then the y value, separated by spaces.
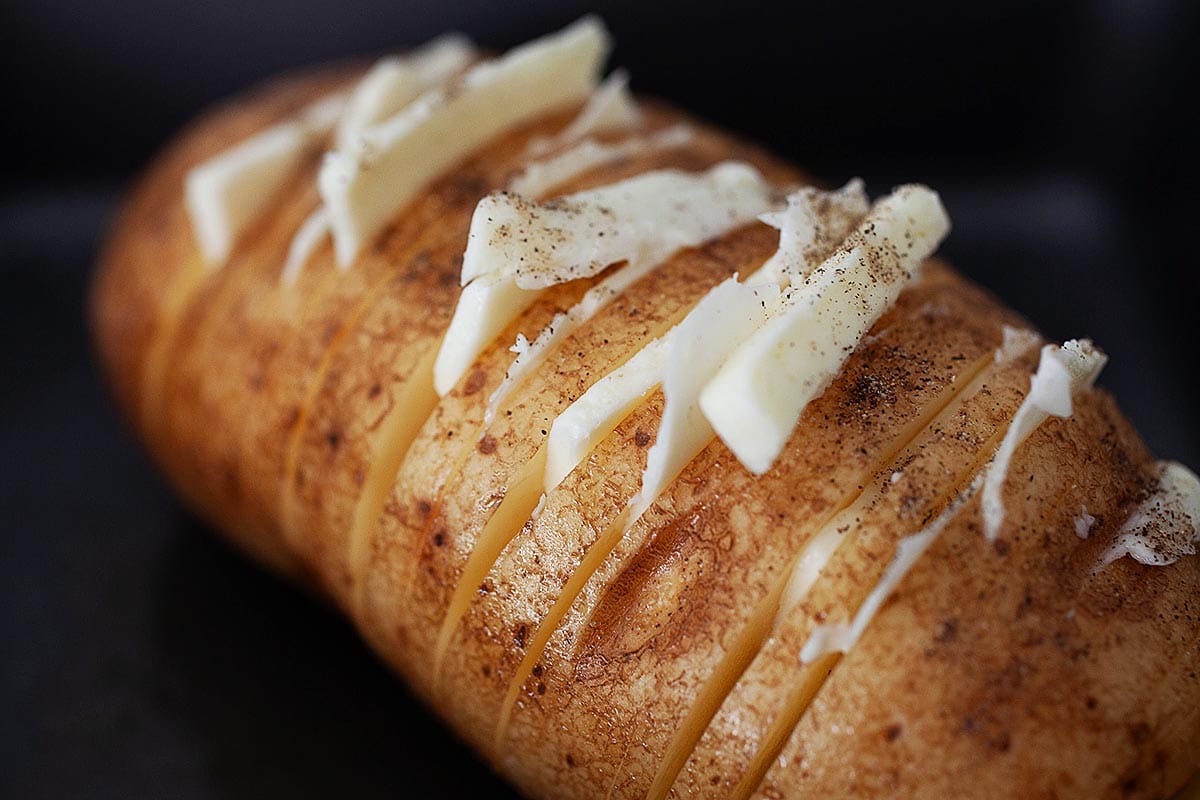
pixel 262 403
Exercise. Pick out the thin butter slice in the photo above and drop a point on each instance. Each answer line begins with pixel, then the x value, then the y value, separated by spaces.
pixel 364 186
pixel 599 410
pixel 529 358
pixel 1061 373
pixel 227 193
pixel 394 82
pixel 756 399
pixel 699 346
pixel 812 224
pixel 1165 527
pixel 644 218
pixel 840 637
pixel 388 87
pixel 485 308
pixel 726 197
pixel 538 177
pixel 311 233
pixel 610 108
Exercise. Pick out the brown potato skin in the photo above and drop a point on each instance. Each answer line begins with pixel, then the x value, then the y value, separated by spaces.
pixel 1053 683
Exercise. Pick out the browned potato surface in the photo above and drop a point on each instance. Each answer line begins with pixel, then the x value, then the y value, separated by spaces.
pixel 300 420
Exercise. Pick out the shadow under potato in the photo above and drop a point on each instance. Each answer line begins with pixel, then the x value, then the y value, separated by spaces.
pixel 281 695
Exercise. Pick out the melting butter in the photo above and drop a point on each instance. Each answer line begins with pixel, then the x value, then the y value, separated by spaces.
pixel 518 247
pixel 840 637
pixel 1073 368
pixel 808 567
pixel 610 108
pixel 538 177
pixel 1166 525
pixel 1062 372
pixel 1084 523
pixel 365 185
pixel 756 399
pixel 812 219
pixel 231 190
pixel 311 233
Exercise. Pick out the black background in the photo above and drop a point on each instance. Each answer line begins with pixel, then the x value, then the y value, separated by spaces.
pixel 142 658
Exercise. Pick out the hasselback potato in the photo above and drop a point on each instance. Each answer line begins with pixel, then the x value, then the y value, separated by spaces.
pixel 652 470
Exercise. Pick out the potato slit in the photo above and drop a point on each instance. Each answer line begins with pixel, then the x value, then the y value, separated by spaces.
pixel 287 498
pixel 714 690
pixel 510 517
pixel 413 405
pixel 756 630
pixel 814 675
pixel 520 500
pixel 466 444
pixel 762 621
pixel 182 290
pixel 590 562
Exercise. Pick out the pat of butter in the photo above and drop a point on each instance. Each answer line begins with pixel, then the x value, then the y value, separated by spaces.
pixel 394 82
pixel 610 108
pixel 538 177
pixel 699 345
pixel 227 193
pixel 1166 525
pixel 726 197
pixel 485 308
pixel 813 217
pixel 756 399
pixel 599 410
pixel 1062 372
pixel 644 218
pixel 365 186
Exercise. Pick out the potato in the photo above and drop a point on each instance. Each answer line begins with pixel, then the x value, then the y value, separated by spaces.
pixel 582 663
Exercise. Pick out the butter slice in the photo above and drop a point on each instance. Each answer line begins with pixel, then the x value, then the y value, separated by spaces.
pixel 840 637
pixel 365 185
pixel 599 410
pixel 756 399
pixel 227 193
pixel 644 218
pixel 311 233
pixel 812 217
pixel 811 226
pixel 610 108
pixel 698 347
pixel 1166 525
pixel 394 82
pixel 485 308
pixel 390 85
pixel 642 221
pixel 1061 373
pixel 538 177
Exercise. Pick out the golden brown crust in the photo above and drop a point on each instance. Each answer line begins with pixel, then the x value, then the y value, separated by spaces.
pixel 1044 680
pixel 994 671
